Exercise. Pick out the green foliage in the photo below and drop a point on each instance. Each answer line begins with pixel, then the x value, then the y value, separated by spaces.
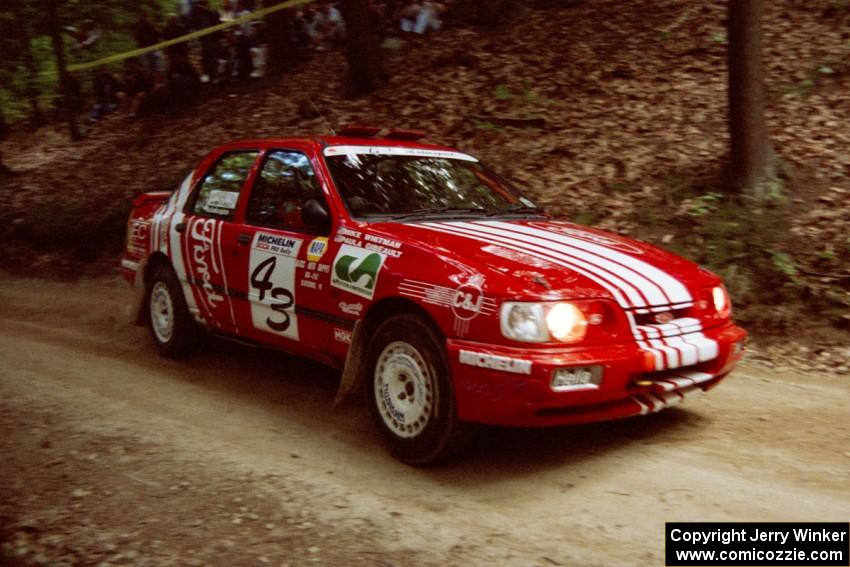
pixel 527 104
pixel 503 92
pixel 587 218
pixel 746 240
pixel 719 37
pixel 784 264
pixel 705 204
pixel 115 20
pixel 486 125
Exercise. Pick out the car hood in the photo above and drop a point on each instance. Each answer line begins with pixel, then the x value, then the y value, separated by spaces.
pixel 550 259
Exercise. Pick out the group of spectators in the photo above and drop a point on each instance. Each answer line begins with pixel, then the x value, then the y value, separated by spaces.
pixel 161 79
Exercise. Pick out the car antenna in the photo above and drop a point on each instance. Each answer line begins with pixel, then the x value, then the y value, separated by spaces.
pixel 322 116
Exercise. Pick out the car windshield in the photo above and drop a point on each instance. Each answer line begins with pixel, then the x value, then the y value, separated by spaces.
pixel 425 184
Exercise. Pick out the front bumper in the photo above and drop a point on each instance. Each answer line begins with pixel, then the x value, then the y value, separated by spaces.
pixel 510 386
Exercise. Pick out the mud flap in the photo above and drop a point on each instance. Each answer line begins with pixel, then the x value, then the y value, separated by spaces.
pixel 137 312
pixel 353 371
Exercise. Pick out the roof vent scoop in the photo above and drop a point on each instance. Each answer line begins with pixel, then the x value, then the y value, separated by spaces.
pixel 360 131
pixel 406 135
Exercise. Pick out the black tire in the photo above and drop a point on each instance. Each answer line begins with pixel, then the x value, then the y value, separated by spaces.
pixel 174 331
pixel 410 393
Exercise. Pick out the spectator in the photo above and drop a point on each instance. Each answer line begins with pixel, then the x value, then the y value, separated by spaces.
pixel 314 26
pixel 302 35
pixel 147 34
pixel 137 84
pixel 106 89
pixel 422 17
pixel 85 36
pixel 203 17
pixel 227 55
pixel 243 39
pixel 183 82
pixel 227 13
pixel 179 52
pixel 334 25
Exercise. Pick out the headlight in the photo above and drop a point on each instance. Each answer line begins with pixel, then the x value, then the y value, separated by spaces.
pixel 721 300
pixel 566 322
pixel 524 322
pixel 541 322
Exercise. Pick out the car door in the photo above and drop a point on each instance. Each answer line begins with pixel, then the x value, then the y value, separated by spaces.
pixel 209 236
pixel 282 272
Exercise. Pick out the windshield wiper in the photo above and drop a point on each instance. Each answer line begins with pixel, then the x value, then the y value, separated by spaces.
pixel 517 209
pixel 425 212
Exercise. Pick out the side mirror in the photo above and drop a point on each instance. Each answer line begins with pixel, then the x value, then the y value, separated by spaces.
pixel 314 214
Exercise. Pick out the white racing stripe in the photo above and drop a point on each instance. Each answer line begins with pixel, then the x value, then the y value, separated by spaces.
pixel 657 403
pixel 670 288
pixel 644 409
pixel 633 283
pixel 688 352
pixel 174 216
pixel 224 276
pixel 641 291
pixel 512 244
pixel 331 151
pixel 672 398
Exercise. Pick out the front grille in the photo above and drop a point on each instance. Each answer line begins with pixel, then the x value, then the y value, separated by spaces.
pixel 668 314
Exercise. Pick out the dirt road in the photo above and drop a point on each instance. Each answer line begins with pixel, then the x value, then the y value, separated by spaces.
pixel 112 455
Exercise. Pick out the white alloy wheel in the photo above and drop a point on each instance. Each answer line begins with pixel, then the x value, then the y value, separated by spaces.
pixel 162 312
pixel 404 389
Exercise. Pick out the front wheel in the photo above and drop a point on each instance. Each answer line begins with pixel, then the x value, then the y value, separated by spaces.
pixel 411 395
pixel 171 325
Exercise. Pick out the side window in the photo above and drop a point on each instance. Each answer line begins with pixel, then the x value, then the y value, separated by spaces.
pixel 220 187
pixel 285 183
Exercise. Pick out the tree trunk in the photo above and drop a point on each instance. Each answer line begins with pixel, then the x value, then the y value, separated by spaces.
pixel 365 73
pixel 752 160
pixel 31 89
pixel 282 54
pixel 54 29
pixel 4 131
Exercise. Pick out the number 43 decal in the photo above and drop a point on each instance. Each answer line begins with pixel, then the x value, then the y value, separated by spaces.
pixel 273 296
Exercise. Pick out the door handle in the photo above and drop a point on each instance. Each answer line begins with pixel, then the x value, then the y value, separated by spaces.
pixel 244 238
pixel 180 227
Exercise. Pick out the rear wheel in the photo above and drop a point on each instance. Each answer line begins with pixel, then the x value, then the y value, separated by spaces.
pixel 410 392
pixel 171 325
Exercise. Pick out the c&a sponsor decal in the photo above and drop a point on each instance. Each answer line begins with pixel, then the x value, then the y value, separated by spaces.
pixel 356 270
pixel 467 301
pixel 494 362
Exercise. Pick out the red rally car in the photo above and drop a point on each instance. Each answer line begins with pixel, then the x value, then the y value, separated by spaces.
pixel 435 286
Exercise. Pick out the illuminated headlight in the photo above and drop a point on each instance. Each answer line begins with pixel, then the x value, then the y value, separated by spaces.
pixel 721 300
pixel 541 322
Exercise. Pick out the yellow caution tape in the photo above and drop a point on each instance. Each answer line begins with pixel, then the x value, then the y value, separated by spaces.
pixel 261 13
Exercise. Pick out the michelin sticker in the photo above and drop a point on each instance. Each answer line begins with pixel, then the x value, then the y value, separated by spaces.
pixel 356 270
pixel 280 245
pixel 494 362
